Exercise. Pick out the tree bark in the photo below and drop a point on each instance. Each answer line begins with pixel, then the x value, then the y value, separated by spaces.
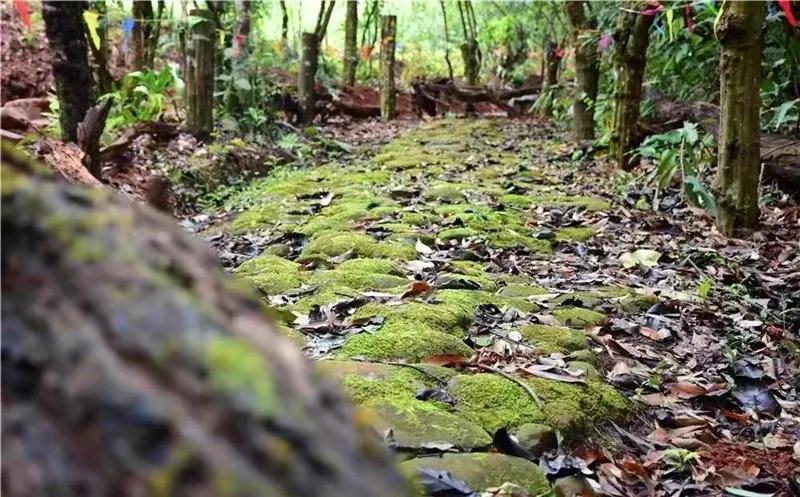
pixel 284 22
pixel 142 30
pixel 738 163
pixel 550 81
pixel 155 34
pixel 587 69
pixel 306 78
pixel 100 54
pixel 631 38
pixel 388 97
pixel 350 42
pixel 200 84
pixel 132 365
pixel 71 71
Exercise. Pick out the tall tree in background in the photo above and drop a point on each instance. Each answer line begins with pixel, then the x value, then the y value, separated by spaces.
pixel 309 61
pixel 631 38
pixel 284 22
pixel 470 51
pixel 446 41
pixel 738 163
pixel 388 42
pixel 64 26
pixel 200 80
pixel 350 42
pixel 142 30
pixel 587 67
pixel 552 60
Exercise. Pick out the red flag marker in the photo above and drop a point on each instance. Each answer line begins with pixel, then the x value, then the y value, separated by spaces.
pixel 22 10
pixel 786 6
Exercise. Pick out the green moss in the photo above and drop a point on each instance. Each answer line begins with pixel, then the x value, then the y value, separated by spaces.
pixel 493 401
pixel 369 265
pixel 330 244
pixel 575 234
pixel 578 317
pixel 516 201
pixel 588 203
pixel 271 274
pixel 358 280
pixel 240 372
pixel 522 291
pixel 480 218
pixel 549 339
pixel 484 470
pixel 442 317
pixel 447 191
pixel 323 296
pixel 294 336
pixel 470 268
pixel 579 299
pixel 390 383
pixel 417 218
pixel 402 340
pixel 469 300
pixel 456 234
pixel 510 239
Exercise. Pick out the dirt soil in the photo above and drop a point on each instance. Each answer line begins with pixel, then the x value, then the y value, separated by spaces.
pixel 25 57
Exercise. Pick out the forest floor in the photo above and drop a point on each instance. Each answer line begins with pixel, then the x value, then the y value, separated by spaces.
pixel 469 280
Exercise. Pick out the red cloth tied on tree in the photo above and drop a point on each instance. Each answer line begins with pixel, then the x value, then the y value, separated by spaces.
pixel 651 11
pixel 559 53
pixel 786 6
pixel 22 9
pixel 687 17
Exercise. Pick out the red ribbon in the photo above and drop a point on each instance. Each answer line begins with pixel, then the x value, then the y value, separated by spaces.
pixel 786 6
pixel 687 17
pixel 655 9
pixel 559 53
pixel 22 10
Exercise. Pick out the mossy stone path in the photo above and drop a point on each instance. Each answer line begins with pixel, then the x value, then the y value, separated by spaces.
pixel 464 206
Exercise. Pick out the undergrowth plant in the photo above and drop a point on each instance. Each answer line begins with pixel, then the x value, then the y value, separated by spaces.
pixel 142 97
pixel 682 152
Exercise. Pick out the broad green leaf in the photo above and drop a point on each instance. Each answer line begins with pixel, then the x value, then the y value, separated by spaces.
pixel 91 18
pixel 640 257
pixel 670 14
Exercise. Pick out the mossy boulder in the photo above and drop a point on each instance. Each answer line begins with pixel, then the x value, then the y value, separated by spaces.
pixel 403 340
pixel 271 274
pixel 578 317
pixel 536 438
pixel 359 280
pixel 575 234
pixel 522 291
pixel 334 243
pixel 550 339
pixel 484 470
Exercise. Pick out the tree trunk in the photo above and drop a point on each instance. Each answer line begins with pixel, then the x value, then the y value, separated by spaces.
pixel 71 71
pixel 631 38
pixel 350 42
pixel 142 30
pixel 155 34
pixel 284 22
pixel 133 366
pixel 550 81
pixel 388 34
pixel 472 66
pixel 587 69
pixel 306 76
pixel 738 163
pixel 200 84
pixel 100 54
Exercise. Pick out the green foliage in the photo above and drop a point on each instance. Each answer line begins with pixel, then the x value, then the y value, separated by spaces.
pixel 680 459
pixel 142 96
pixel 682 151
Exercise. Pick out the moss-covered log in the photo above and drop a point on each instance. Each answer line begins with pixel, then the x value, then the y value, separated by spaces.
pixel 73 76
pixel 739 165
pixel 631 38
pixel 350 41
pixel 587 68
pixel 131 365
pixel 388 41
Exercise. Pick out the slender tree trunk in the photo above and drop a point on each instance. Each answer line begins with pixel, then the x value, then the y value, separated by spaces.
pixel 200 85
pixel 306 77
pixel 142 29
pixel 100 54
pixel 350 42
pixel 739 165
pixel 631 37
pixel 551 62
pixel 240 52
pixel 446 42
pixel 587 69
pixel 71 71
pixel 284 22
pixel 388 40
pixel 155 34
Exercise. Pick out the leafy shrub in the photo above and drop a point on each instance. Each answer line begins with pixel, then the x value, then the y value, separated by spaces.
pixel 142 96
pixel 681 151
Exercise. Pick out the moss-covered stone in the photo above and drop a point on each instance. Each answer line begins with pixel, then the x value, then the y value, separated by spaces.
pixel 443 317
pixel 522 291
pixel 577 317
pixel 510 239
pixel 359 280
pixel 484 470
pixel 550 339
pixel 403 340
pixel 330 244
pixel 575 234
pixel 271 274
pixel 456 234
pixel 470 268
pixel 369 265
pixel 240 372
